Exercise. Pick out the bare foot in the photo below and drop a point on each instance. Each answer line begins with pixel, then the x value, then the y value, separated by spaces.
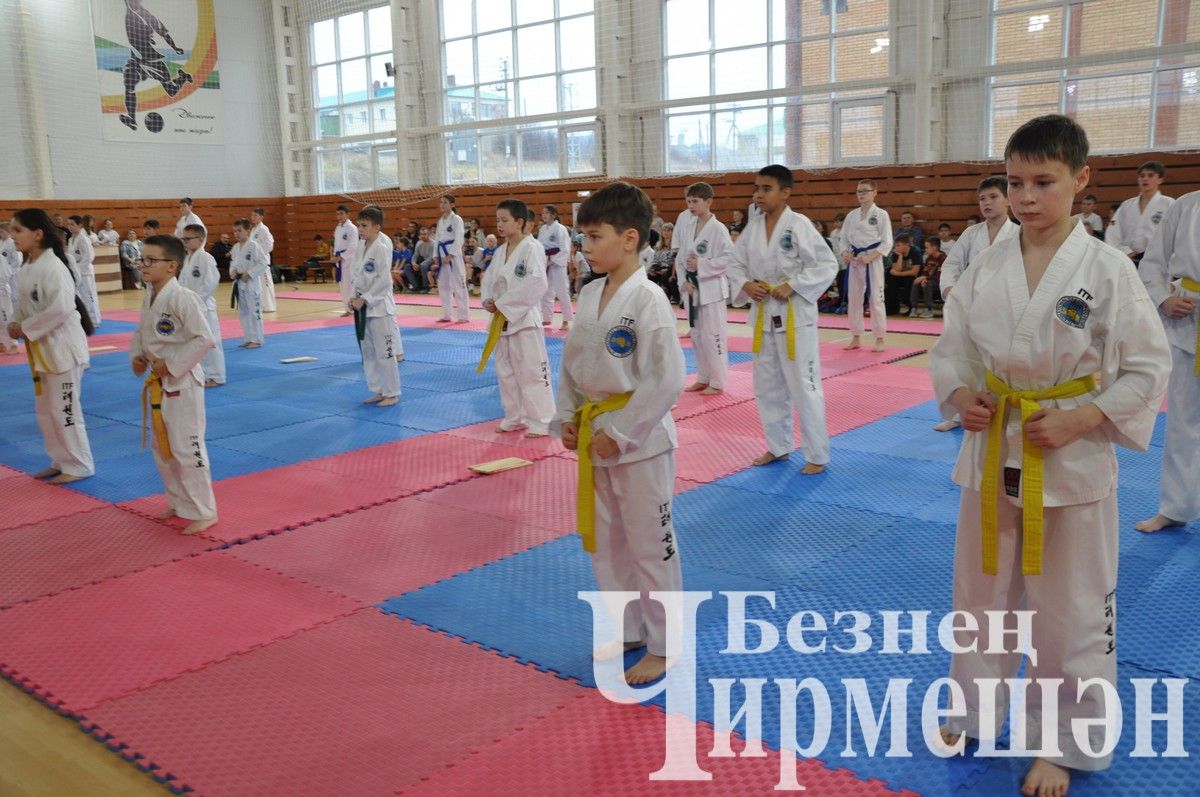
pixel 47 473
pixel 399 358
pixel 613 648
pixel 948 426
pixel 712 391
pixel 565 326
pixel 648 668
pixel 253 345
pixel 694 386
pixel 390 401
pixel 878 345
pixel 767 459
pixel 443 321
pixel 212 383
pixel 1045 780
pixel 197 526
pixel 65 478
pixel 502 429
pixel 950 740
pixel 347 313
pixel 854 343
pixel 1157 523
pixel 535 434
pixel 373 400
pixel 811 469
pixel 166 514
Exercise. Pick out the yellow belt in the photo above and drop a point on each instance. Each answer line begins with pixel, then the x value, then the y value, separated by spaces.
pixel 1031 469
pixel 494 330
pixel 791 323
pixel 585 505
pixel 152 390
pixel 1194 286
pixel 34 354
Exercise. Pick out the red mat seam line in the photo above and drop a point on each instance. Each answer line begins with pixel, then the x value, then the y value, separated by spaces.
pixel 57 517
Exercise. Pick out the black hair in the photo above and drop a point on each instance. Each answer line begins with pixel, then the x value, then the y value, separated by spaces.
pixel 778 173
pixel 151 223
pixel 243 223
pixel 517 209
pixel 553 210
pixel 934 241
pixel 701 190
pixel 37 219
pixel 624 206
pixel 172 247
pixel 187 200
pixel 197 229
pixel 1052 137
pixel 372 214
pixel 902 238
pixel 1090 198
pixel 449 198
pixel 258 212
pixel 997 181
pixel 1153 166
pixel 344 208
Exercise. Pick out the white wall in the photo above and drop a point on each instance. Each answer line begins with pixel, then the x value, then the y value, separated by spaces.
pixel 84 165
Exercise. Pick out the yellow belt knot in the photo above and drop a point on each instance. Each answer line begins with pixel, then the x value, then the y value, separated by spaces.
pixel 152 393
pixel 585 505
pixel 791 322
pixel 33 352
pixel 1194 286
pixel 1031 469
pixel 494 330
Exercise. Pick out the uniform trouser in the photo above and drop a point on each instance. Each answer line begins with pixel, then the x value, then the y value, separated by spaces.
pixel 379 356
pixel 344 284
pixel 87 292
pixel 636 548
pixel 557 287
pixel 214 361
pixel 268 292
pixel 523 370
pixel 781 384
pixel 708 342
pixel 60 417
pixel 187 475
pixel 452 285
pixel 6 311
pixel 250 310
pixel 1179 492
pixel 1074 621
pixel 857 280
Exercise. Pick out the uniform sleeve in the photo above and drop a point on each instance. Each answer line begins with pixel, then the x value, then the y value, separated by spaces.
pixel 59 298
pixel 714 262
pixel 813 267
pixel 489 278
pixel 375 286
pixel 955 361
pixel 848 225
pixel 459 236
pixel 268 240
pixel 198 338
pixel 1121 231
pixel 259 259
pixel 1153 270
pixel 660 366
pixel 209 276
pixel 955 265
pixel 737 265
pixel 523 293
pixel 885 235
pixel 1137 362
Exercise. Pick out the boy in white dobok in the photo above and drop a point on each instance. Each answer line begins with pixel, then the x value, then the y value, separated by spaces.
pixel 247 264
pixel 781 263
pixel 84 256
pixel 451 269
pixel 1137 218
pixel 186 216
pixel 512 288
pixel 10 264
pixel 171 339
pixel 996 226
pixel 200 275
pixel 1171 273
pixel 622 369
pixel 866 241
pixel 704 248
pixel 260 233
pixel 345 249
pixel 556 242
pixel 372 293
pixel 1052 353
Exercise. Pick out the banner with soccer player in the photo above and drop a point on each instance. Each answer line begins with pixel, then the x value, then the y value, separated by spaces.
pixel 157 67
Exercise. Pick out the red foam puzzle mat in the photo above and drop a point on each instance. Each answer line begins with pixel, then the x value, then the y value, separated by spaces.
pixel 9 473
pixel 596 747
pixel 26 500
pixel 682 483
pixel 373 706
pixel 53 555
pixel 541 495
pixel 850 404
pixel 387 550
pixel 271 500
pixel 738 388
pixel 705 456
pixel 419 463
pixel 892 375
pixel 529 447
pixel 79 648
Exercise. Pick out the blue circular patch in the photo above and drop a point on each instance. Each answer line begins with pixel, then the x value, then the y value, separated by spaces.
pixel 196 272
pixel 34 294
pixel 1156 218
pixel 247 255
pixel 787 243
pixel 702 247
pixel 369 267
pixel 165 326
pixel 520 269
pixel 621 341
pixel 1072 311
pixel 874 222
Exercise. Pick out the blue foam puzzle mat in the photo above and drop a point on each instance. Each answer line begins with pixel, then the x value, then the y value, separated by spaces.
pixel 319 437
pixel 248 417
pixel 1160 430
pixel 925 411
pixel 445 378
pixel 23 425
pixel 110 326
pixel 892 485
pixel 912 438
pixel 436 412
pixel 1157 632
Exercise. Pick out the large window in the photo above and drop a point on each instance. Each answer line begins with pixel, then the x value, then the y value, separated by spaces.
pixel 1124 104
pixel 723 47
pixel 509 59
pixel 353 95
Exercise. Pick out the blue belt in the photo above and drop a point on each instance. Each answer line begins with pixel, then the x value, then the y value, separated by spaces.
pixel 858 250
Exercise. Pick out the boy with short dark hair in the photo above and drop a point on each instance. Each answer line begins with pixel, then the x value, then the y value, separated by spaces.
pixel 200 276
pixel 622 369
pixel 700 268
pixel 866 241
pixel 247 265
pixel 171 340
pixel 1053 347
pixel 1138 218
pixel 1089 217
pixel 371 295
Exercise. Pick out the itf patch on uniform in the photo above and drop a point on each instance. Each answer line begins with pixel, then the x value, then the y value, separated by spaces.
pixel 196 272
pixel 702 247
pixel 874 222
pixel 1072 311
pixel 369 267
pixel 520 269
pixel 621 341
pixel 786 242
pixel 34 294
pixel 165 326
pixel 1157 217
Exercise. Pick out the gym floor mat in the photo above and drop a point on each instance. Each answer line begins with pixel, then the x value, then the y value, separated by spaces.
pixel 27 500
